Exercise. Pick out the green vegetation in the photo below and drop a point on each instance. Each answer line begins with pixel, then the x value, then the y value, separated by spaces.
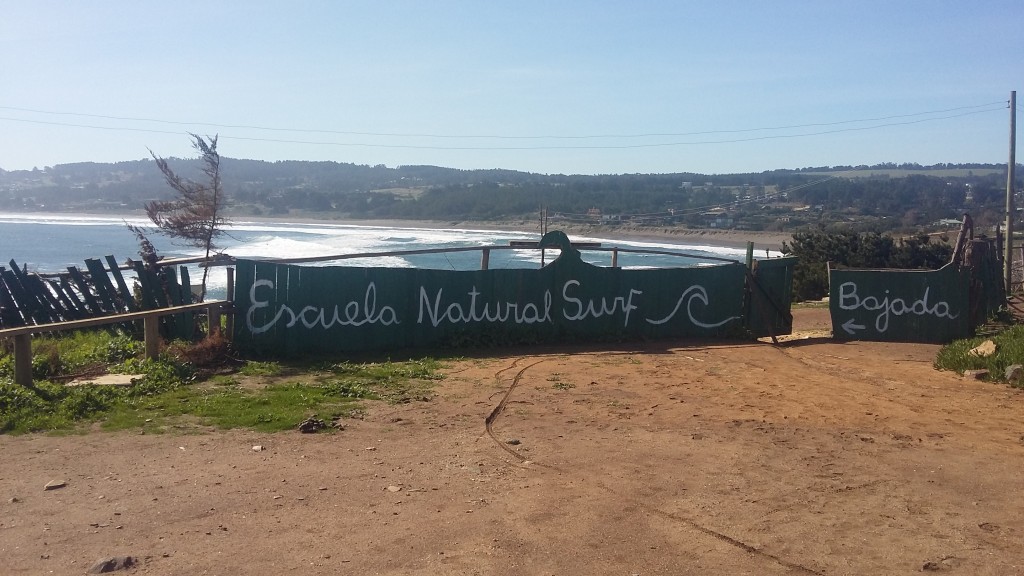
pixel 906 198
pixel 865 250
pixel 957 356
pixel 180 389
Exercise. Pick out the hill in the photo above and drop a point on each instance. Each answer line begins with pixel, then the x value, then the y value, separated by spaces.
pixel 884 197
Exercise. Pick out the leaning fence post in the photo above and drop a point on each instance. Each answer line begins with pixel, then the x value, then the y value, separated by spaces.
pixel 151 327
pixel 230 324
pixel 213 318
pixel 23 359
pixel 485 258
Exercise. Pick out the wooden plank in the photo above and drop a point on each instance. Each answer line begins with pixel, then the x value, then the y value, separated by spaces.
pixel 27 303
pixel 152 291
pixel 23 335
pixel 126 295
pixel 188 323
pixel 69 291
pixel 23 359
pixel 179 326
pixel 102 320
pixel 69 310
pixel 101 284
pixel 42 288
pixel 9 315
pixel 83 289
pixel 186 285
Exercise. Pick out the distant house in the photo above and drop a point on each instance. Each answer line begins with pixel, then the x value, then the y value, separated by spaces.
pixel 717 219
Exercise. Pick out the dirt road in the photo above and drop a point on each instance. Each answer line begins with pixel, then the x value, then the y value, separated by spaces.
pixel 668 458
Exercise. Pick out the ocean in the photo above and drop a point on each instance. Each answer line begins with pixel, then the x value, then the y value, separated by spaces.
pixel 52 242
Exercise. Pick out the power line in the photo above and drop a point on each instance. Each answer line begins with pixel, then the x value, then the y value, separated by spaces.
pixel 547 147
pixel 987 107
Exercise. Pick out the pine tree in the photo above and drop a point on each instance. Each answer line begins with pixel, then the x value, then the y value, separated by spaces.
pixel 196 214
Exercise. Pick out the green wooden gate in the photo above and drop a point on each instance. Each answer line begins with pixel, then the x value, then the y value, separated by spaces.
pixel 900 305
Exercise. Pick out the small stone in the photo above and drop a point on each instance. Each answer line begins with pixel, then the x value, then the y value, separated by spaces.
pixel 984 350
pixel 394 488
pixel 513 442
pixel 931 566
pixel 55 484
pixel 311 425
pixel 104 565
pixel 1014 373
pixel 976 374
pixel 697 436
pixel 257 448
pixel 14 500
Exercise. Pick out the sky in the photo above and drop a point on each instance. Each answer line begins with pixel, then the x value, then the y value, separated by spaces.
pixel 566 87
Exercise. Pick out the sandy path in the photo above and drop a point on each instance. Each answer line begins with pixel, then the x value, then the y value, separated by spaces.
pixel 667 458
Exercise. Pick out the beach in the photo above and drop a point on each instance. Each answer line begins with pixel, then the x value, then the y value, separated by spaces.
pixel 763 240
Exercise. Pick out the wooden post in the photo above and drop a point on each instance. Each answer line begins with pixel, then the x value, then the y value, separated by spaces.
pixel 230 324
pixel 615 257
pixel 23 359
pixel 485 258
pixel 151 326
pixel 750 255
pixel 1010 210
pixel 213 318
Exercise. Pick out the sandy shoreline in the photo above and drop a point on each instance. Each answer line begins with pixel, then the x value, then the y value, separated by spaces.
pixel 689 236
pixel 684 236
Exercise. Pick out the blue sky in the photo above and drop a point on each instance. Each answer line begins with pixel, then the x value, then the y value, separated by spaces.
pixel 553 87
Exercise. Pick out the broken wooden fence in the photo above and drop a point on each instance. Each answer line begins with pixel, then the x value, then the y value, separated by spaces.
pixel 28 299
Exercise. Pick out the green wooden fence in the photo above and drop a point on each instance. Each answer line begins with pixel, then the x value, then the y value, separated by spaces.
pixel 282 308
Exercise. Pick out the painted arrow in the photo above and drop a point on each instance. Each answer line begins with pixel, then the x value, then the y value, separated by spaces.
pixel 850 327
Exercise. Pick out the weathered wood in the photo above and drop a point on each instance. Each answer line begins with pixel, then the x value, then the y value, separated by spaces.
pixel 126 295
pixel 146 282
pixel 23 359
pixel 83 289
pixel 71 312
pixel 152 330
pixel 72 294
pixel 9 316
pixel 32 310
pixel 230 323
pixel 102 286
pixel 22 335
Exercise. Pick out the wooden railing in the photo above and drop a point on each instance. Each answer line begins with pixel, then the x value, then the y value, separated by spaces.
pixel 151 326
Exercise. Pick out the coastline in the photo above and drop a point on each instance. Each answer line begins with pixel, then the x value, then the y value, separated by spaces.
pixel 735 239
pixel 689 236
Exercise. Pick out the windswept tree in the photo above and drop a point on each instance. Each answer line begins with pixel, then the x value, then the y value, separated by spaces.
pixel 195 215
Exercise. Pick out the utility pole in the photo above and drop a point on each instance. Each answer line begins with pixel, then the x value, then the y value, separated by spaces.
pixel 1010 178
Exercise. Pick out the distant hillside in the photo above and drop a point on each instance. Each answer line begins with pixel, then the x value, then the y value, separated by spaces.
pixel 880 197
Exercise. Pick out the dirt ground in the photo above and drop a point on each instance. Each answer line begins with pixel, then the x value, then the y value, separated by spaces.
pixel 679 457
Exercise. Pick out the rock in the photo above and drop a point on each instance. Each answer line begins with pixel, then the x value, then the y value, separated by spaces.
pixel 931 566
pixel 311 424
pixel 104 565
pixel 984 350
pixel 14 500
pixel 257 448
pixel 55 484
pixel 1014 373
pixel 976 374
pixel 394 488
pixel 513 441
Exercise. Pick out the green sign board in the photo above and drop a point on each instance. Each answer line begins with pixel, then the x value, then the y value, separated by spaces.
pixel 286 309
pixel 899 305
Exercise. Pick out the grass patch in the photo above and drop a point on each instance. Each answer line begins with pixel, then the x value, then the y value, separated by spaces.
pixel 264 396
pixel 956 356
